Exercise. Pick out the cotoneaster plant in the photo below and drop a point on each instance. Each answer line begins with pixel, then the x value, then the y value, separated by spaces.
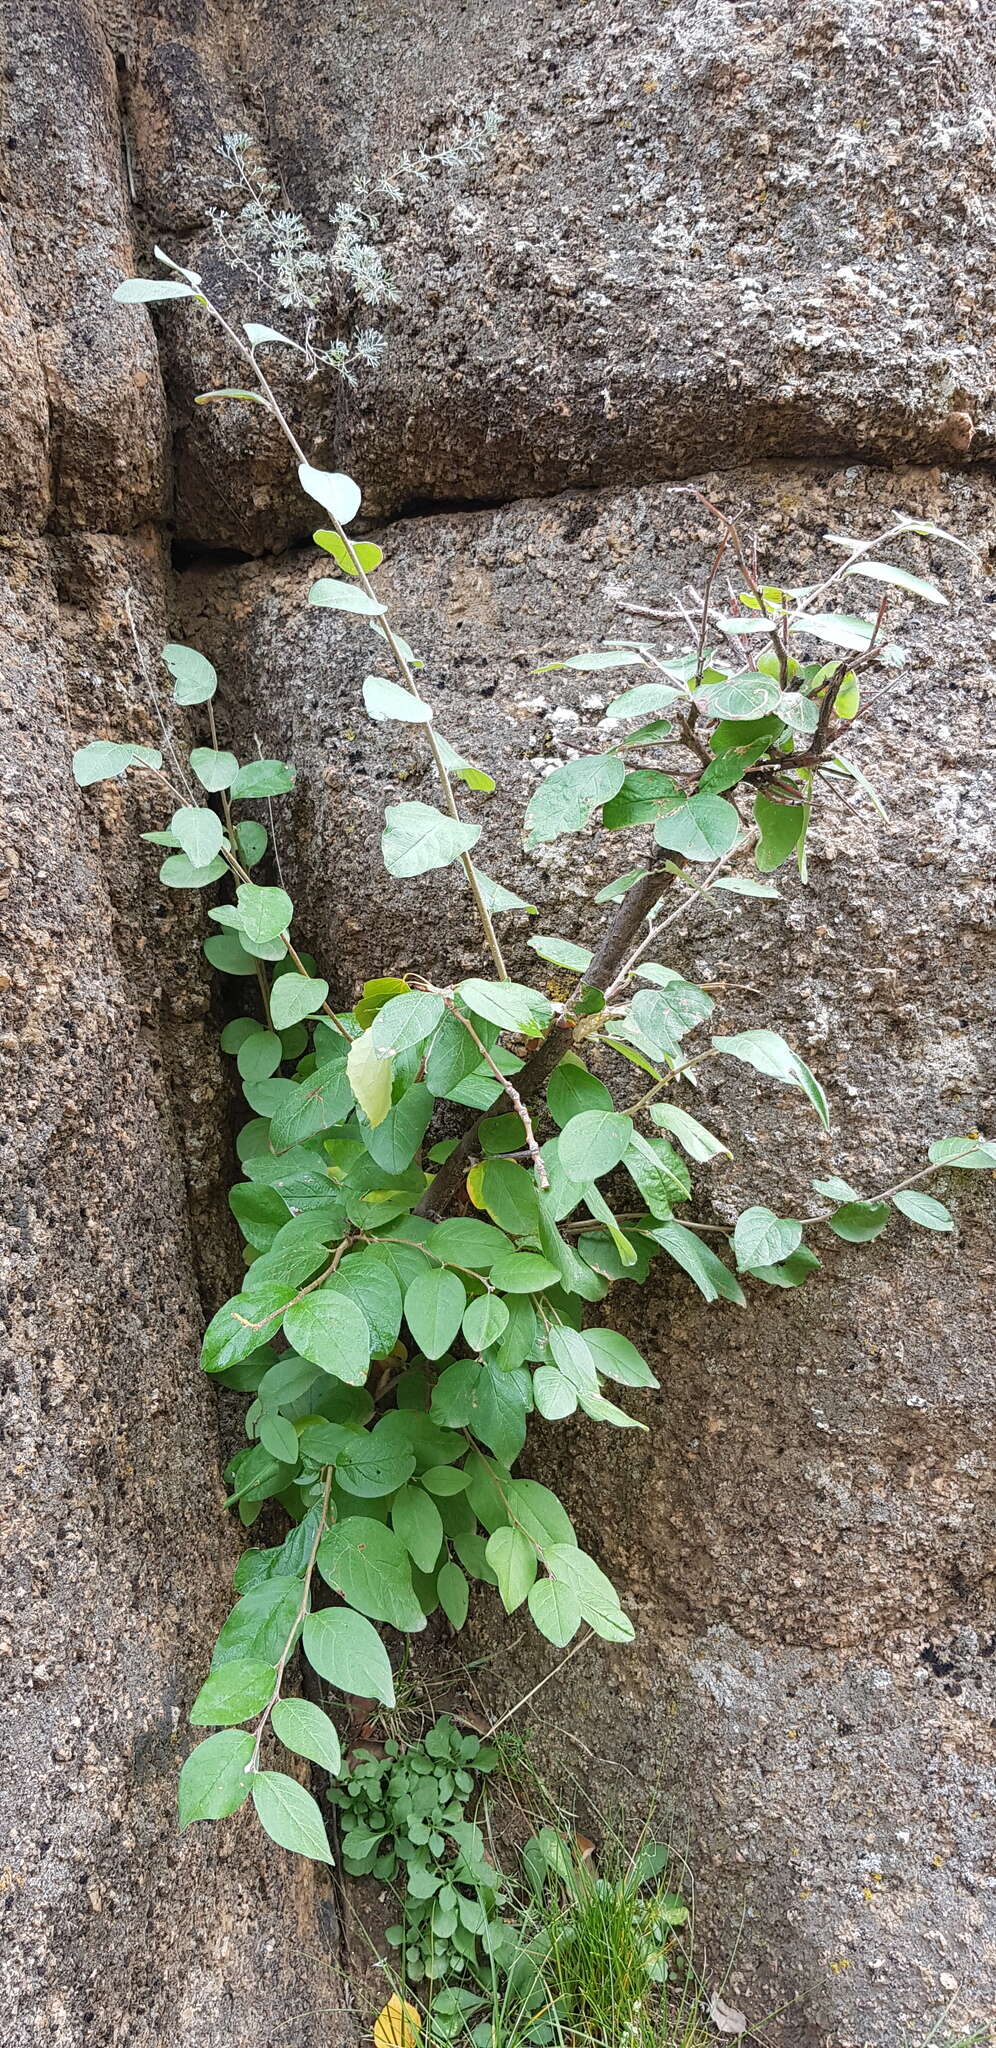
pixel 408 1302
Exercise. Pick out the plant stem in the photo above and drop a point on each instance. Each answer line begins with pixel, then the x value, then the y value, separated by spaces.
pixel 288 1649
pixel 403 665
pixel 510 1090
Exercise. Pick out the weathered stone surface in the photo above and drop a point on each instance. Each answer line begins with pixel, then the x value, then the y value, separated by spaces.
pixel 806 1533
pixel 62 187
pixel 116 1549
pixel 699 234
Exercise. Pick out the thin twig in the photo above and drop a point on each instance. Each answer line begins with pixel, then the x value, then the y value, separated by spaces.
pixel 403 665
pixel 511 1091
pixel 299 1618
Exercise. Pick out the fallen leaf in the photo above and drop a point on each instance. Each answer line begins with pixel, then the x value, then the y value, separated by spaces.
pixel 585 1849
pixel 397 2026
pixel 725 2018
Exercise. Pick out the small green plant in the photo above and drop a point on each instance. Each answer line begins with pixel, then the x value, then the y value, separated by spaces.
pixel 587 1953
pixel 409 1299
pixel 406 1818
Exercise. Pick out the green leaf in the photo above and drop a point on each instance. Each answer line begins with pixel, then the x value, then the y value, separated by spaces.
pixel 615 891
pixel 700 827
pixel 387 700
pixel 589 664
pixel 370 1077
pixel 970 1154
pixel 417 1520
pixel 572 1089
pixel 508 1193
pixel 466 771
pixel 640 800
pixel 345 1648
pixel 594 1143
pixel 227 953
pixel 145 291
pixel 213 1779
pixel 375 1290
pixel 263 913
pixel 417 837
pixel 745 885
pixel 886 572
pixel 102 759
pixel 800 713
pixel 769 1054
pixel 792 1272
pixel 194 679
pixel 617 1359
pixel 434 1306
pixel 368 1564
pixel 747 695
pixel 290 1816
pixel 664 1015
pixel 251 842
pixel 600 1608
pixel 213 768
pixel 700 1143
pixel 263 778
pixel 554 1396
pixel 523 1273
pixel 497 899
pixel 394 1142
pixel 279 1437
pixel 510 1004
pixel 556 1610
pixel 234 1693
pixel 328 1328
pixel 464 1241
pixel 344 597
pixel 485 1320
pixel 657 1171
pixel 923 1209
pixel 304 1729
pixel 645 699
pixel 711 1277
pixel 294 997
pixel 406 1021
pixel 763 1239
pixel 859 1222
pixel 259 1055
pixel 566 798
pixel 838 629
pixel 368 555
pixel 836 1190
pixel 781 826
pixel 571 1354
pixel 513 1560
pixel 332 490
pixel 223 391
pixel 241 1326
pixel 561 952
pixel 198 832
pixel 324 1099
pixel 454 1594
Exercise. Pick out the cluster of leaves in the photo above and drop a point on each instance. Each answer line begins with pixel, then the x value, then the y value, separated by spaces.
pixel 570 1952
pixel 406 1819
pixel 410 1300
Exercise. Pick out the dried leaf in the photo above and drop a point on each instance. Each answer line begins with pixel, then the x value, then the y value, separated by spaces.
pixel 725 2018
pixel 397 2026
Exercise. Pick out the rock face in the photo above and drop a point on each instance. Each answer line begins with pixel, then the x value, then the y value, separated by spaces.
pixel 117 1550
pixel 750 244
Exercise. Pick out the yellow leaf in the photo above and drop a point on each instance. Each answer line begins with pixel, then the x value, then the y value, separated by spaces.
pixel 475 1184
pixel 398 2026
pixel 369 1077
